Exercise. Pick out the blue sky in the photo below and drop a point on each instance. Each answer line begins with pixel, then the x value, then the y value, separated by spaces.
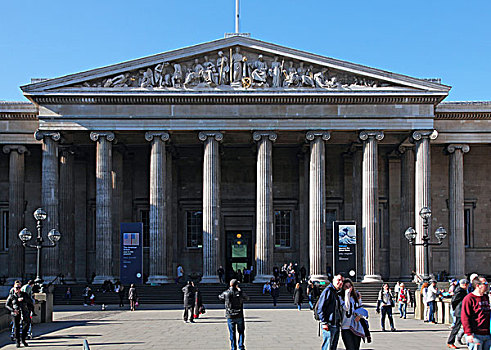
pixel 424 39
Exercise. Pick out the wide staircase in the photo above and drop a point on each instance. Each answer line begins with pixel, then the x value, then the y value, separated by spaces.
pixel 172 293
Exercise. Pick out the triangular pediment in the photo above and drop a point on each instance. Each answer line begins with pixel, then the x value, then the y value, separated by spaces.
pixel 234 64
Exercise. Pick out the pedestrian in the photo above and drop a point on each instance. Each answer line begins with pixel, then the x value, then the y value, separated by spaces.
pixel 275 293
pixel 189 298
pixel 20 305
pixel 68 295
pixel 475 316
pixel 221 274
pixel 330 314
pixel 403 299
pixel 239 275
pixel 121 292
pixel 424 293
pixel 298 296
pixel 234 299
pixel 351 329
pixel 276 273
pixel 87 294
pixel 385 303
pixel 133 297
pixel 431 297
pixel 459 294
pixel 312 294
pixel 303 273
pixel 397 288
pixel 180 273
pixel 198 303
pixel 472 277
pixel 267 288
pixel 290 282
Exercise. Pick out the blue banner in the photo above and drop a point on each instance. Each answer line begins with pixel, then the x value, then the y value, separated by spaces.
pixel 131 262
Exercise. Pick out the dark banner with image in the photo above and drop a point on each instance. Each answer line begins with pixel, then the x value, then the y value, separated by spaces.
pixel 131 252
pixel 344 248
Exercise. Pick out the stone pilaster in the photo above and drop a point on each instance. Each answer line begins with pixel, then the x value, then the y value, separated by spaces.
pixel 104 236
pixel 211 204
pixel 407 211
pixel 456 209
pixel 422 183
pixel 50 199
pixel 158 210
pixel 264 206
pixel 16 210
pixel 317 204
pixel 370 202
pixel 67 212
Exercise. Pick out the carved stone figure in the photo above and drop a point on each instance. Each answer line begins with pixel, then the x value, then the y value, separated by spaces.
pixel 237 66
pixel 275 72
pixel 161 75
pixel 147 80
pixel 223 68
pixel 259 71
pixel 320 78
pixel 118 81
pixel 304 76
pixel 210 75
pixel 291 76
pixel 177 76
pixel 193 77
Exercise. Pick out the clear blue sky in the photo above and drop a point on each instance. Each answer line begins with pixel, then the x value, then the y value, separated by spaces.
pixel 426 39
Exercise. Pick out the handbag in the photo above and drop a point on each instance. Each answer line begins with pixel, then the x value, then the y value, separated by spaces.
pixel 202 309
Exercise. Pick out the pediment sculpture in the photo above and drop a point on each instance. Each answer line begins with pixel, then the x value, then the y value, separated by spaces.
pixel 236 69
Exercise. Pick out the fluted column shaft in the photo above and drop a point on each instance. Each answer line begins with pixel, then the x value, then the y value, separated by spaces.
pixel 67 212
pixel 407 210
pixel 158 212
pixel 422 191
pixel 211 205
pixel 16 210
pixel 456 209
pixel 264 206
pixel 317 204
pixel 370 202
pixel 50 199
pixel 104 237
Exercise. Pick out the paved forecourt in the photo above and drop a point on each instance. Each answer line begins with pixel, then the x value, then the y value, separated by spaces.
pixel 155 327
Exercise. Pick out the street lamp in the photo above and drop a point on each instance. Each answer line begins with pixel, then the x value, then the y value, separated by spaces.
pixel 25 236
pixel 440 235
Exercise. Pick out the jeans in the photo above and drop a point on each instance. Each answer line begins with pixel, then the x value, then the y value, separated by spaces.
pixel 387 310
pixel 452 312
pixel 455 331
pixel 21 321
pixel 299 306
pixel 350 340
pixel 311 302
pixel 188 313
pixel 481 342
pixel 431 317
pixel 238 323
pixel 330 338
pixel 402 309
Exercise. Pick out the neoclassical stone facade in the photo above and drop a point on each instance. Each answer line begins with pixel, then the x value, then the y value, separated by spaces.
pixel 239 152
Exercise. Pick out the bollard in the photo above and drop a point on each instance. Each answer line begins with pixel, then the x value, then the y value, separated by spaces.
pixel 86 345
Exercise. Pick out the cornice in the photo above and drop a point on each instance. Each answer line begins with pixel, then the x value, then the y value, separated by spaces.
pixel 462 115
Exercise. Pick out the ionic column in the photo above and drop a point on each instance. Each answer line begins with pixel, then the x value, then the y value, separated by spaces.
pixel 407 210
pixel 456 209
pixel 317 204
pixel 158 212
pixel 264 205
pixel 422 189
pixel 16 210
pixel 211 204
pixel 370 202
pixel 104 238
pixel 49 199
pixel 67 212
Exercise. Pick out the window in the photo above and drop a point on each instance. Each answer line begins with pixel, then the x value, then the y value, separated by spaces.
pixel 194 228
pixel 469 206
pixel 145 219
pixel 4 227
pixel 282 228
pixel 331 216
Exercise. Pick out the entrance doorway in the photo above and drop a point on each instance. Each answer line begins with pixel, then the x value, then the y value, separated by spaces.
pixel 239 253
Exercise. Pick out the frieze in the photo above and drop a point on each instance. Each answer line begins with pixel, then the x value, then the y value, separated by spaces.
pixel 236 69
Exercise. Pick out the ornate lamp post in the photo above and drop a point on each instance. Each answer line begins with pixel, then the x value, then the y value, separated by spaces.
pixel 440 235
pixel 25 236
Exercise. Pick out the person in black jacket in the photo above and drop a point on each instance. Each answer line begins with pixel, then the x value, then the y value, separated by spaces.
pixel 459 293
pixel 330 314
pixel 234 311
pixel 189 297
pixel 275 293
pixel 298 296
pixel 20 306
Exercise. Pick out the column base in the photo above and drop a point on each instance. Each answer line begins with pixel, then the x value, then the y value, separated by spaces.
pixel 319 278
pixel 158 279
pixel 210 279
pixel 372 279
pixel 262 278
pixel 101 279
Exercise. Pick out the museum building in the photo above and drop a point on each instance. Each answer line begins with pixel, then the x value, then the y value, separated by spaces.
pixel 240 153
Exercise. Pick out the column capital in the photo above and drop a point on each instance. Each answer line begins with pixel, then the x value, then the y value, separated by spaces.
pixel 422 134
pixel 458 146
pixel 204 135
pixel 376 134
pixel 40 135
pixel 258 135
pixel 95 135
pixel 18 148
pixel 164 135
pixel 311 135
